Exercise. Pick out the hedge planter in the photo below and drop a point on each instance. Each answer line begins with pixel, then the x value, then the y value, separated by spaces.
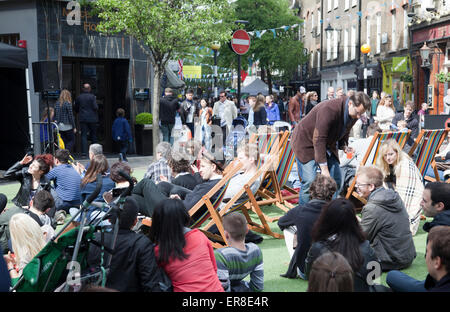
pixel 144 139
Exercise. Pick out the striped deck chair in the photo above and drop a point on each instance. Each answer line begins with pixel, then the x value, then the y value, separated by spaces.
pixel 285 163
pixel 245 200
pixel 372 153
pixel 217 241
pixel 424 150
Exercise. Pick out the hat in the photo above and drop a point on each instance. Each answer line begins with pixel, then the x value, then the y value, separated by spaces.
pixel 168 90
pixel 302 89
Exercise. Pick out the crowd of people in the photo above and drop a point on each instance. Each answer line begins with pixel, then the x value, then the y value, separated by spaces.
pixel 329 245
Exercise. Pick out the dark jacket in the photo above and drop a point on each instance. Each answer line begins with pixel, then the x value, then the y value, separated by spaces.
pixel 197 193
pixel 260 117
pixel 86 107
pixel 442 286
pixel 385 221
pixel 309 106
pixel 360 276
pixel 442 218
pixel 5 279
pixel 412 123
pixel 20 173
pixel 188 181
pixel 168 106
pixel 303 217
pixel 185 109
pixel 133 265
pixel 320 130
pixel 121 130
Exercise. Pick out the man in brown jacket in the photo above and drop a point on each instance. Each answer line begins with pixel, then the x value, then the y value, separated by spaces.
pixel 319 135
pixel 296 106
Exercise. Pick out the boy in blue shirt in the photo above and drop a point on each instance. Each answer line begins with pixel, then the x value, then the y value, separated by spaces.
pixel 121 132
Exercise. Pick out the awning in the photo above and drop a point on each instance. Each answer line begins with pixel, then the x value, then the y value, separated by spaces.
pixel 13 57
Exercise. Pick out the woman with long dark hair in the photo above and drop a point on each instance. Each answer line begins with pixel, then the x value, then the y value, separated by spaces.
pixel 185 254
pixel 31 175
pixel 338 229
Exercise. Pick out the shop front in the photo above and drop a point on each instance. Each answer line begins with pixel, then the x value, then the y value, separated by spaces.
pixel 397 79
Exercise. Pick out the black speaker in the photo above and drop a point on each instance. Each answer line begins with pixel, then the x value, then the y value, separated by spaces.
pixel 437 121
pixel 45 76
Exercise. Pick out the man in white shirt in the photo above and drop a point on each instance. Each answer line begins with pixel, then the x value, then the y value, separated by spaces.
pixel 227 111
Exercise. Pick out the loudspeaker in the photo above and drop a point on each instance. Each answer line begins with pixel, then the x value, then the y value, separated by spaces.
pixel 45 76
pixel 437 121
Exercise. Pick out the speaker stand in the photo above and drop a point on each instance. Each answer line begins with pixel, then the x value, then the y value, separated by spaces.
pixel 49 124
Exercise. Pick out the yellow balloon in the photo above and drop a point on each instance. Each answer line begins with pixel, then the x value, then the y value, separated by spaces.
pixel 365 48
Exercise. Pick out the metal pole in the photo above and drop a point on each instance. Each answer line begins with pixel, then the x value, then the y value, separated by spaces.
pixel 215 74
pixel 365 73
pixel 239 81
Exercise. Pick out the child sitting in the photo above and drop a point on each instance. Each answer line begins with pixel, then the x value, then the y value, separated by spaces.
pixel 236 262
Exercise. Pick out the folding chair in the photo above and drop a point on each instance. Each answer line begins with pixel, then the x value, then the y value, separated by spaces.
pixel 271 189
pixel 424 150
pixel 372 154
pixel 245 200
pixel 217 240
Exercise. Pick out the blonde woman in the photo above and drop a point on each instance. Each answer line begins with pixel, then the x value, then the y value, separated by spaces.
pixel 385 113
pixel 401 175
pixel 27 239
pixel 311 101
pixel 64 119
pixel 257 115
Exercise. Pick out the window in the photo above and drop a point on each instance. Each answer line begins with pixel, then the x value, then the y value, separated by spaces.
pixel 378 48
pixel 11 39
pixel 329 5
pixel 312 22
pixel 405 29
pixel 335 44
pixel 354 3
pixel 318 23
pixel 336 4
pixel 346 45
pixel 394 32
pixel 347 4
pixel 368 28
pixel 318 60
pixel 353 44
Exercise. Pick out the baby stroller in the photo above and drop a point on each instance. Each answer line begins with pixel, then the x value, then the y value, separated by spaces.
pixel 59 265
pixel 235 137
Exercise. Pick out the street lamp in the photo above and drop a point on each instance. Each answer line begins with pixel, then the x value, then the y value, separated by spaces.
pixel 365 49
pixel 215 46
pixel 425 54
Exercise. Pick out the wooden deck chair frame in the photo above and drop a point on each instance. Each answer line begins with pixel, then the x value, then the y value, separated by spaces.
pixel 379 137
pixel 272 198
pixel 272 189
pixel 427 144
pixel 212 212
pixel 249 203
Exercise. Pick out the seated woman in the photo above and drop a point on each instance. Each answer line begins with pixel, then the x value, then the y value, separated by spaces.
pixel 338 230
pixel 185 254
pixel 99 165
pixel 403 176
pixel 31 175
pixel 148 194
pixel 27 240
pixel 121 182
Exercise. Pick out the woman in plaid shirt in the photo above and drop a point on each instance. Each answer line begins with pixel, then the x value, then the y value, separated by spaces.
pixel 64 119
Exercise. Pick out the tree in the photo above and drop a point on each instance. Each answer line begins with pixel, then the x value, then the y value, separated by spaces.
pixel 164 28
pixel 281 54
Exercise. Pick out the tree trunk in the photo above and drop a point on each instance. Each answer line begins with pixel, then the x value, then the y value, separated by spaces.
pixel 156 91
pixel 263 73
pixel 269 81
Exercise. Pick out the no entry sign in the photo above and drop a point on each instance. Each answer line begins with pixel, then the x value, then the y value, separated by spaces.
pixel 240 43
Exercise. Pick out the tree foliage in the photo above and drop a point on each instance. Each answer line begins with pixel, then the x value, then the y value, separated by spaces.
pixel 282 53
pixel 164 28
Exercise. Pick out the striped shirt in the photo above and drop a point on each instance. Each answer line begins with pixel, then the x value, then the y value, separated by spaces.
pixel 67 182
pixel 233 265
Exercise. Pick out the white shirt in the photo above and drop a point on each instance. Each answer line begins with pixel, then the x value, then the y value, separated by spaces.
pixel 384 117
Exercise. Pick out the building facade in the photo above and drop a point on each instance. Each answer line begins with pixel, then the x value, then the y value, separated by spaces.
pixel 115 66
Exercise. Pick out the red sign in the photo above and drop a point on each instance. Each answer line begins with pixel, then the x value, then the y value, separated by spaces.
pixel 240 42
pixel 433 33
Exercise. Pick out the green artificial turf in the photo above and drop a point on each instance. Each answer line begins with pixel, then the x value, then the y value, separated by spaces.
pixel 275 254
